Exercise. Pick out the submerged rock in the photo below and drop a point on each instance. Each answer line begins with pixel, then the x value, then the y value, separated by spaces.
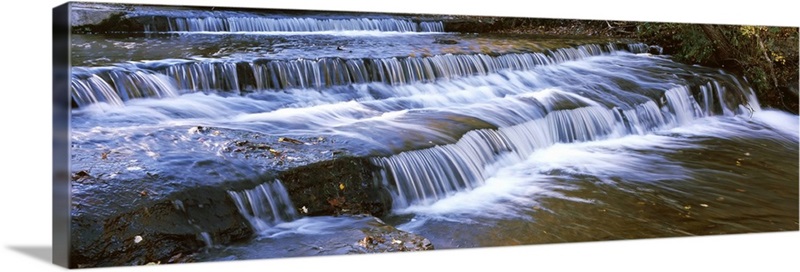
pixel 321 236
pixel 380 237
pixel 445 41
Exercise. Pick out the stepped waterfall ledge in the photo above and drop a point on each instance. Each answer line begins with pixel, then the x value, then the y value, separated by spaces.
pixel 212 134
pixel 264 206
pixel 258 24
pixel 434 173
pixel 157 79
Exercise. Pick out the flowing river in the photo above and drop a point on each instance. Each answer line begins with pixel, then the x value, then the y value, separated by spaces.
pixel 481 140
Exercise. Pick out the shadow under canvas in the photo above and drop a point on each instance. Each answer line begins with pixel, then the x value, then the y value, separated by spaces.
pixel 42 253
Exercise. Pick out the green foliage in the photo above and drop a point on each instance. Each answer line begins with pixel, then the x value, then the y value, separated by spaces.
pixel 757 76
pixel 695 46
pixel 767 56
pixel 688 42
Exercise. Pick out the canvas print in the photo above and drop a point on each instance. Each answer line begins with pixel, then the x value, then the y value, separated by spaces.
pixel 201 134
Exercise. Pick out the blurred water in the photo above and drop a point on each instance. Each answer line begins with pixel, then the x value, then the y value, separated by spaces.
pixel 491 140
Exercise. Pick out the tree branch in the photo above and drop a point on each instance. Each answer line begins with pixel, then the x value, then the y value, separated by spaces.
pixel 769 61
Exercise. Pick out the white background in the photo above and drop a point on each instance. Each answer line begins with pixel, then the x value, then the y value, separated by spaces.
pixel 25 94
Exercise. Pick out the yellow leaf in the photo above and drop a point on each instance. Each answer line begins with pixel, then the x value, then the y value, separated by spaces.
pixel 341 186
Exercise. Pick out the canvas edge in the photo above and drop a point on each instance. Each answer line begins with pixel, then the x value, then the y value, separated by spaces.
pixel 61 190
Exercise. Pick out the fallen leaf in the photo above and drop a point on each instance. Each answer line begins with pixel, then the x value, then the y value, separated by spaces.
pixel 336 202
pixel 366 242
pixel 341 186
pixel 287 139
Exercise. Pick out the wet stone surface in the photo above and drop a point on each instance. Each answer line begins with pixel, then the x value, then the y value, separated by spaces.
pixel 121 195
pixel 321 236
pixel 380 237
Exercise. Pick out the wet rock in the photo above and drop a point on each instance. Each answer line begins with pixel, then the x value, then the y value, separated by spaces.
pixel 82 177
pixel 339 235
pixel 198 129
pixel 152 229
pixel 445 41
pixel 83 14
pixel 171 209
pixel 247 147
pixel 290 140
pixel 339 186
pixel 380 237
pixel 655 50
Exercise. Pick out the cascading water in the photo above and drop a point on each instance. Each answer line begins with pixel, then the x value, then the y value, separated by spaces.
pixel 265 206
pixel 113 86
pixel 427 175
pixel 480 139
pixel 261 24
pixel 265 74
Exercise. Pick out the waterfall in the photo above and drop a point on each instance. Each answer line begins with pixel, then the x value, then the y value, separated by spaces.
pixel 265 205
pixel 115 85
pixel 426 175
pixel 256 23
pixel 166 78
pixel 420 177
pixel 431 26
